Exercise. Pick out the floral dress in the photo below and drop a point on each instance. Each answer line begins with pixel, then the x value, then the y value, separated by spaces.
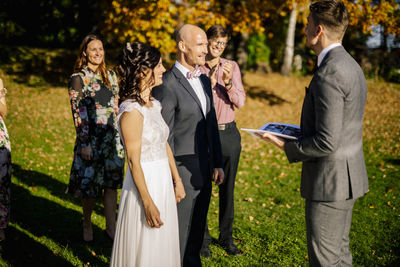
pixel 94 109
pixel 5 175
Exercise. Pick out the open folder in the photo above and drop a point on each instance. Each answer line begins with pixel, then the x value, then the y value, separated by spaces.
pixel 284 130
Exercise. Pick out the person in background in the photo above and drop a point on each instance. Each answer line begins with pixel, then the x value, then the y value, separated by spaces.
pixel 98 164
pixel 334 175
pixel 228 94
pixel 5 165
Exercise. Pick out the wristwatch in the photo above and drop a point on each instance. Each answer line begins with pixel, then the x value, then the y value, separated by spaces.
pixel 229 83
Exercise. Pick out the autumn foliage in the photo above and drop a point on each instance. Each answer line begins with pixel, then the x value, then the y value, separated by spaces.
pixel 154 22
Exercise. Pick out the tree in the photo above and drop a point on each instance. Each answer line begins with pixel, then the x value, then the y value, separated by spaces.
pixel 289 45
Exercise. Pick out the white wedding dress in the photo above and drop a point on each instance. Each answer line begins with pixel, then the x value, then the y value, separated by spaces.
pixel 135 243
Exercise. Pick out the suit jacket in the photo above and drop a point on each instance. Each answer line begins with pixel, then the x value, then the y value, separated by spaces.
pixel 331 146
pixel 192 135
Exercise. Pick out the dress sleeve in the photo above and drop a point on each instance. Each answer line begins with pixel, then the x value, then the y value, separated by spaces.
pixel 79 109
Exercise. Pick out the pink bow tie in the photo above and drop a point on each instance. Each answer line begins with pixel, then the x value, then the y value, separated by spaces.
pixel 193 74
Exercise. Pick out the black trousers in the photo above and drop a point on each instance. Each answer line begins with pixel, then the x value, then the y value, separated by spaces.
pixel 231 148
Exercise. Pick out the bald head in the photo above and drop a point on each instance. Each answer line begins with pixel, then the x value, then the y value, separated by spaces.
pixel 192 43
pixel 187 31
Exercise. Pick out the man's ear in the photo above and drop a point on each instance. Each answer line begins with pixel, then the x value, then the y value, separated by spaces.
pixel 319 30
pixel 181 46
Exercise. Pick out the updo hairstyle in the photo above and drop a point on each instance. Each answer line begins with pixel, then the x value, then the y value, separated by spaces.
pixel 135 59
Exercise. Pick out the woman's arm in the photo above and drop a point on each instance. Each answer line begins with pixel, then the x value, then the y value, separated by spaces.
pixel 178 186
pixel 80 114
pixel 132 127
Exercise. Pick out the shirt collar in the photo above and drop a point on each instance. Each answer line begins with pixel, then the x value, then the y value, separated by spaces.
pixel 182 68
pixel 325 51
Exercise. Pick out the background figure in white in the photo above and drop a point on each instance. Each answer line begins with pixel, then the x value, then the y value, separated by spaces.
pixel 147 228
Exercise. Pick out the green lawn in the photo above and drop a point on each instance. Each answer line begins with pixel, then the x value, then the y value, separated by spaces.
pixel 45 227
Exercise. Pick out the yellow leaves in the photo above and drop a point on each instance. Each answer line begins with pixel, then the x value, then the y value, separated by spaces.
pixel 363 15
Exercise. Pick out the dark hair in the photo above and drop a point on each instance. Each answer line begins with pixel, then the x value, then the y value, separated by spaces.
pixel 82 61
pixel 134 59
pixel 332 14
pixel 216 31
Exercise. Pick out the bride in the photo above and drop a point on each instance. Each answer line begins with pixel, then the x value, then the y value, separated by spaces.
pixel 147 227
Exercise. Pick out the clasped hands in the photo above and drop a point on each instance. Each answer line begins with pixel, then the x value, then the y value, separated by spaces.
pixel 226 74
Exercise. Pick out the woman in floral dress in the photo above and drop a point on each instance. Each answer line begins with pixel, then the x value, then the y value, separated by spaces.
pixel 5 165
pixel 98 163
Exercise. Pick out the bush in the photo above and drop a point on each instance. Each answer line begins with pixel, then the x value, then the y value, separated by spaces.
pixel 36 64
pixel 259 52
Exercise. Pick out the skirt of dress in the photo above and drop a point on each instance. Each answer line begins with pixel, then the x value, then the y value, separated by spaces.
pixel 137 244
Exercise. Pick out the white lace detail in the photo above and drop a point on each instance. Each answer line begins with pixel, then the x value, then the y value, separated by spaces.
pixel 155 130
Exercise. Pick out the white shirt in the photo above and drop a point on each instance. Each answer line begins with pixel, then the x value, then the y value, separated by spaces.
pixel 323 53
pixel 196 85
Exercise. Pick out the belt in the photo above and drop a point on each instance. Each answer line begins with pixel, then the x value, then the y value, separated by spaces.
pixel 225 126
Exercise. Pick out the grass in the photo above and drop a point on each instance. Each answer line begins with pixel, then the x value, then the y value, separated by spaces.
pixel 45 227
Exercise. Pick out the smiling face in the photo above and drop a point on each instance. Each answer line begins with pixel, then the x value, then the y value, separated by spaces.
pixel 158 73
pixel 94 54
pixel 216 46
pixel 193 47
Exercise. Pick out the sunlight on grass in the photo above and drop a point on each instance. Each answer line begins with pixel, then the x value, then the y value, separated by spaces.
pixel 269 212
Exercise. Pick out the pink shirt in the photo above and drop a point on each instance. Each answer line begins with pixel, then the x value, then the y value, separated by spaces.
pixel 225 100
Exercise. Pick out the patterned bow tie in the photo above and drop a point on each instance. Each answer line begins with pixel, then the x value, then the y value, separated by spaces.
pixel 193 74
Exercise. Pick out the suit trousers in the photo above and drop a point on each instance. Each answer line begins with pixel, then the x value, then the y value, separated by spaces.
pixel 231 148
pixel 192 210
pixel 328 226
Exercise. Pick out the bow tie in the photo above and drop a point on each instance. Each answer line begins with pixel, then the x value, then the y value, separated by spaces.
pixel 193 74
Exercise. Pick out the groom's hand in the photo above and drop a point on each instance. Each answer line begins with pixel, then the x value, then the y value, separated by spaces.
pixel 218 176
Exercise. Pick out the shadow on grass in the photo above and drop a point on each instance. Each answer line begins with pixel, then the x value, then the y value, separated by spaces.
pixel 44 218
pixel 393 161
pixel 54 186
pixel 257 92
pixel 21 250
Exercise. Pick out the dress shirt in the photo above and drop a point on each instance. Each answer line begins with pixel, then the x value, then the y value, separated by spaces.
pixel 225 100
pixel 196 85
pixel 325 51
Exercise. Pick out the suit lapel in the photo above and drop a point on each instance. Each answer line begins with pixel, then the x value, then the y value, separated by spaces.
pixel 185 84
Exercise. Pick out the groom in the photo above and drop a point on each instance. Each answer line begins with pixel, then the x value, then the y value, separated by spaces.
pixel 188 109
pixel 331 147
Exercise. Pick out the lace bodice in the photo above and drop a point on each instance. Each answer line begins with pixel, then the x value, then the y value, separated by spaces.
pixel 155 130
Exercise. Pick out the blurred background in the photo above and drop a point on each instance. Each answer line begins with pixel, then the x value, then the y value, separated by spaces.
pixel 39 39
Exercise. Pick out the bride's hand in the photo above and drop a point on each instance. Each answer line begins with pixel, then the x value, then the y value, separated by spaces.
pixel 179 191
pixel 153 215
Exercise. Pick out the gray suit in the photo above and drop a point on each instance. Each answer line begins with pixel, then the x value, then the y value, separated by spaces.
pixel 331 149
pixel 194 140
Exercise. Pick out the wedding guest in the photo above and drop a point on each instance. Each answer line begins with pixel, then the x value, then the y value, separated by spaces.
pixel 5 165
pixel 334 175
pixel 98 164
pixel 188 109
pixel 228 94
pixel 147 228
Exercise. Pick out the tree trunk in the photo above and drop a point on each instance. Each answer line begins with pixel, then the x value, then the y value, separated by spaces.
pixel 289 45
pixel 242 52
